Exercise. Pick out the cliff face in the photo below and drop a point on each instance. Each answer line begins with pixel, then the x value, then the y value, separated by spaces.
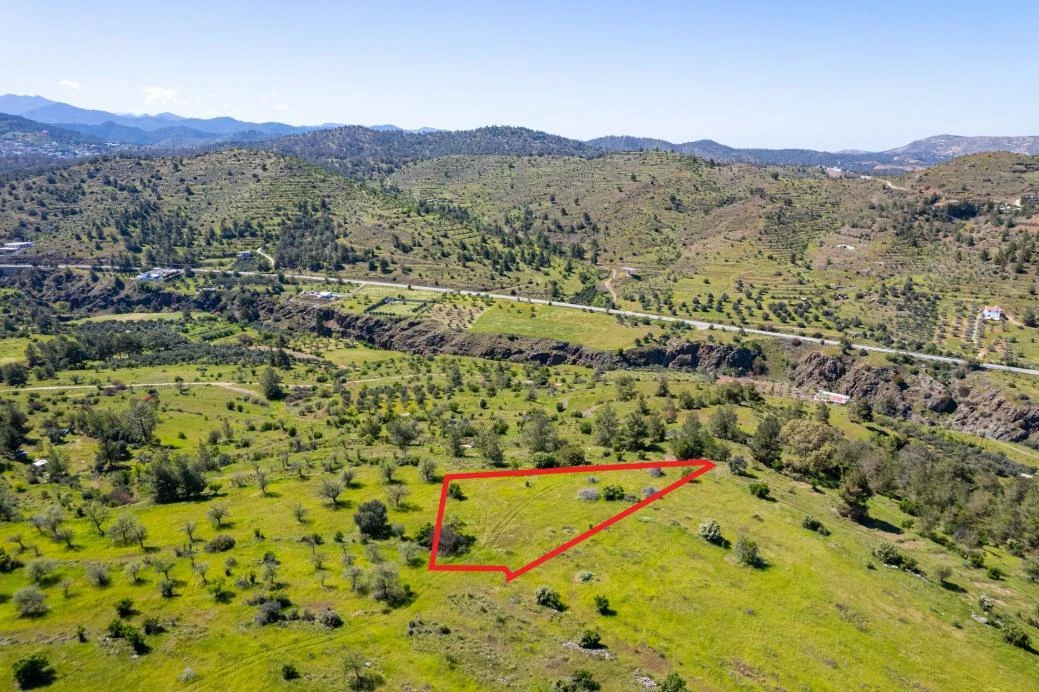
pixel 978 409
pixel 425 337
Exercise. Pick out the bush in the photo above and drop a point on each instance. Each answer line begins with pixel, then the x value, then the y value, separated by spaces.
pixel 220 544
pixel 588 494
pixel 672 683
pixel 889 555
pixel 289 672
pixel 8 563
pixel 590 639
pixel 548 598
pixel 602 604
pixel 30 602
pixel 544 460
pixel 976 560
pixel 580 681
pixel 759 489
pixel 612 493
pixel 454 491
pixel 39 570
pixel 371 519
pixel 124 607
pixel 995 573
pixel 33 670
pixel 710 531
pixel 746 552
pixel 813 524
pixel 330 619
pixel 1014 635
pixel 98 575
pixel 738 467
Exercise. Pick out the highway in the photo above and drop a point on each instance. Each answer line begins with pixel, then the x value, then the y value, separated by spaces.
pixel 699 324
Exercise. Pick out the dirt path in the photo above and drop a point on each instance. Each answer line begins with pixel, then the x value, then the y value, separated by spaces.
pixel 264 255
pixel 892 186
pixel 608 285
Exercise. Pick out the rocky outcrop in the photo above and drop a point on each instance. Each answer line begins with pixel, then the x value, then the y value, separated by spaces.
pixel 980 410
pixel 425 337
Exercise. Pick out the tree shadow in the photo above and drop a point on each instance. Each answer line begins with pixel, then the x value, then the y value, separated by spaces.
pixel 880 525
pixel 950 586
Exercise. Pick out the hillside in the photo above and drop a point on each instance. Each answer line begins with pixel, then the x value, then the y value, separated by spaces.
pixel 238 494
pixel 364 152
pixel 27 141
pixel 780 247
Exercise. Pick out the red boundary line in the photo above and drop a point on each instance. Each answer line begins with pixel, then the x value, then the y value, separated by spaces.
pixel 703 467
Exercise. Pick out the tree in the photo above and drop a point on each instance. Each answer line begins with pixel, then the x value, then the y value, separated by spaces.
pixel 861 411
pixel 32 671
pixel 385 585
pixel 539 432
pixel 602 605
pixel 590 639
pixel 427 471
pixel 607 425
pixel 127 530
pixel 634 432
pixel 690 440
pixel 395 495
pixel 726 425
pixel 14 426
pixel 812 446
pixel 489 442
pixel 1028 317
pixel 765 445
pixel 354 666
pixel 270 384
pixel 625 388
pixel 30 601
pixel 140 421
pixel 371 519
pixel 330 490
pixel 402 431
pixel 98 514
pixel 855 494
pixel 217 514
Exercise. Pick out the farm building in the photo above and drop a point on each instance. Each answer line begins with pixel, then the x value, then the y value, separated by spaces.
pixel 832 397
pixel 159 274
pixel 992 312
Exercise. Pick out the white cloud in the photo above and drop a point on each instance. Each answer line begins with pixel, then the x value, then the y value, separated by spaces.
pixel 156 94
pixel 71 84
pixel 280 106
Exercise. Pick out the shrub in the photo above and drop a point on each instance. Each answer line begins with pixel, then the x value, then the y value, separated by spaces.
pixel 1014 635
pixel 943 573
pixel 548 598
pixel 289 672
pixel 976 559
pixel 737 466
pixel 544 460
pixel 588 494
pixel 813 524
pixel 152 626
pixel 7 563
pixel 33 670
pixel 590 639
pixel 995 573
pixel 97 575
pixel 985 603
pixel 580 681
pixel 746 552
pixel 39 570
pixel 672 683
pixel 602 604
pixel 220 544
pixel 710 531
pixel 890 555
pixel 330 619
pixel 30 601
pixel 759 489
pixel 371 519
pixel 124 607
pixel 454 491
pixel 612 493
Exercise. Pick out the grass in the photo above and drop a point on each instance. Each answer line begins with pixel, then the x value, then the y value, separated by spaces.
pixel 589 328
pixel 472 631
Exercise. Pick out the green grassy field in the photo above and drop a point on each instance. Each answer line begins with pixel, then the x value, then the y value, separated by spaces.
pixel 816 615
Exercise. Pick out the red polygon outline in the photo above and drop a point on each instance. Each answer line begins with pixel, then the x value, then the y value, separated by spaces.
pixel 703 467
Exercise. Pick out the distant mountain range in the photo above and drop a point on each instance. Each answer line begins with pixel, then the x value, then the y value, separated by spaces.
pixel 40 129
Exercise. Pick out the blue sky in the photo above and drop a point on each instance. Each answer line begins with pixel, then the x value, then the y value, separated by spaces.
pixel 827 75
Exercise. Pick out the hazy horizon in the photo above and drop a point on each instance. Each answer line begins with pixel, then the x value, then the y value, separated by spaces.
pixel 775 75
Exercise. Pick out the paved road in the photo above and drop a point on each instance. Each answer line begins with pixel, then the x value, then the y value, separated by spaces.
pixel 699 324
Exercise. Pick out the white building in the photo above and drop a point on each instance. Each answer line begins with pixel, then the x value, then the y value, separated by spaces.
pixel 992 312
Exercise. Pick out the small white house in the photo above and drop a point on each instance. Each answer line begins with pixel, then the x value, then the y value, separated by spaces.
pixel 992 312
pixel 832 397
